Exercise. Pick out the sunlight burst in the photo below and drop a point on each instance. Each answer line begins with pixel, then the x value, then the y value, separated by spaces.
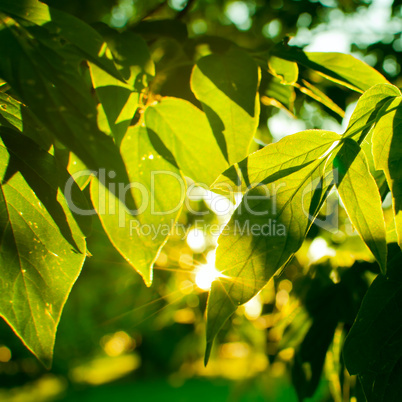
pixel 207 273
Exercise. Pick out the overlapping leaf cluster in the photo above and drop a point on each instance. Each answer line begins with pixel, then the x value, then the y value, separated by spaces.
pixel 79 98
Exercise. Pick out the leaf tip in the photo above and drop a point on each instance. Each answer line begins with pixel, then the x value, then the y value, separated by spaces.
pixel 148 279
pixel 207 353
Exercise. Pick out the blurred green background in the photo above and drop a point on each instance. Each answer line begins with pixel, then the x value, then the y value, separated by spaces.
pixel 118 340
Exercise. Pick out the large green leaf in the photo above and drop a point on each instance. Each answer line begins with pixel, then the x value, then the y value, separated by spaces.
pixel 373 347
pixel 185 132
pixel 158 190
pixel 57 22
pixel 387 151
pixel 361 198
pixel 343 69
pixel 120 100
pixel 267 228
pixel 47 79
pixel 366 110
pixel 226 84
pixel 276 160
pixel 42 246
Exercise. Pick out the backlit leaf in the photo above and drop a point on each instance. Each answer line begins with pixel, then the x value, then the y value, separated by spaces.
pixel 277 160
pixel 47 79
pixel 158 190
pixel 267 228
pixel 74 30
pixel 42 246
pixel 15 114
pixel 387 152
pixel 278 95
pixel 120 100
pixel 367 107
pixel 361 198
pixel 343 69
pixel 226 84
pixel 286 70
pixel 185 132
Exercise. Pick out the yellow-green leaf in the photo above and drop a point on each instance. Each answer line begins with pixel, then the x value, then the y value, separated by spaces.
pixel 286 70
pixel 185 132
pixel 267 228
pixel 361 198
pixel 387 152
pixel 276 160
pixel 118 99
pixel 226 85
pixel 158 190
pixel 42 246
pixel 367 107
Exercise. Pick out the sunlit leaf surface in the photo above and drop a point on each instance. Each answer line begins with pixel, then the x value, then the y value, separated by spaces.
pixel 387 151
pixel 42 246
pixel 226 85
pixel 158 190
pixel 276 160
pixel 185 132
pixel 264 232
pixel 361 198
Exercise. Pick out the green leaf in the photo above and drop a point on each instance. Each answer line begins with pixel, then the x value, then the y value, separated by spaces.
pixel 57 22
pixel 42 246
pixel 74 166
pixel 310 356
pixel 277 94
pixel 361 198
pixel 344 69
pixel 387 151
pixel 120 100
pixel 366 110
pixel 276 160
pixel 373 347
pixel 15 114
pixel 158 190
pixel 226 85
pixel 287 71
pixel 47 80
pixel 10 112
pixel 185 132
pixel 78 170
pixel 379 176
pixel 314 93
pixel 267 228
pixel 383 387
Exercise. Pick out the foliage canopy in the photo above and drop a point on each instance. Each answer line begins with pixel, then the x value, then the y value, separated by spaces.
pixel 109 124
